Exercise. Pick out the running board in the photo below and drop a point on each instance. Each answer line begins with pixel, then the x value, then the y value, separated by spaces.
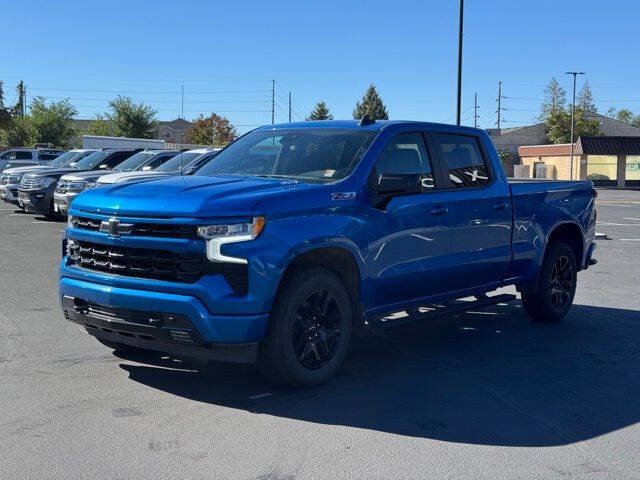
pixel 435 310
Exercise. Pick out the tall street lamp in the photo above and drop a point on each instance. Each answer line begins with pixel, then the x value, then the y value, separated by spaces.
pixel 573 113
pixel 460 62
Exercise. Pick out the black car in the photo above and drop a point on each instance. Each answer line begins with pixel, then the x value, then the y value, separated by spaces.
pixel 36 189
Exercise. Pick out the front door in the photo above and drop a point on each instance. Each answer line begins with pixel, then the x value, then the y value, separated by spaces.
pixel 409 255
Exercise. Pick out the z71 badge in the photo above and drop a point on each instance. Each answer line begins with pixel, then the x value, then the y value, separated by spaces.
pixel 343 196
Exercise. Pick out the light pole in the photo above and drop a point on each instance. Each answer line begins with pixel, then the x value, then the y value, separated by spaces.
pixel 573 113
pixel 460 62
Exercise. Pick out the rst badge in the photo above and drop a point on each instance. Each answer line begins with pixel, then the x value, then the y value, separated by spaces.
pixel 343 196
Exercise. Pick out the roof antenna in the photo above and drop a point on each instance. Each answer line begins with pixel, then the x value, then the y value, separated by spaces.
pixel 366 120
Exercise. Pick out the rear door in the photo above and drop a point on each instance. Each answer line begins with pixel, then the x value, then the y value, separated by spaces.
pixel 480 207
pixel 409 256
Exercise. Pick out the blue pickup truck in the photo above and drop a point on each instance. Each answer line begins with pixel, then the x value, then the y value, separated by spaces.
pixel 296 233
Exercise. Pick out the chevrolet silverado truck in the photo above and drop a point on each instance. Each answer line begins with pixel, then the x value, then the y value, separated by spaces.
pixel 296 233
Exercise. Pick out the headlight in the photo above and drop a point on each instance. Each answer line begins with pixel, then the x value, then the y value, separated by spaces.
pixel 218 235
pixel 14 178
pixel 69 220
pixel 75 186
pixel 89 185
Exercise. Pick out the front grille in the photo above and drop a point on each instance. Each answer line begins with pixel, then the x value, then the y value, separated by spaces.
pixel 154 264
pixel 28 181
pixel 137 262
pixel 159 230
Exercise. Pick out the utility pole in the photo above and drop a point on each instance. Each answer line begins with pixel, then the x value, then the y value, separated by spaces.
pixel 24 100
pixel 499 103
pixel 458 111
pixel 573 112
pixel 273 102
pixel 182 114
pixel 289 107
pixel 475 110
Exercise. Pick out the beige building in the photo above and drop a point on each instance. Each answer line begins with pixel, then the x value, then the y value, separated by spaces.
pixel 613 161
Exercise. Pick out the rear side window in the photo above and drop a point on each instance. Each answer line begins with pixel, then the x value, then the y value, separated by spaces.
pixel 48 156
pixel 116 158
pixel 406 154
pixel 464 160
pixel 23 156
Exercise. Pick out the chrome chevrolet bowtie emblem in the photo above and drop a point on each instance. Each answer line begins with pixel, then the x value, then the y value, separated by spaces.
pixel 114 228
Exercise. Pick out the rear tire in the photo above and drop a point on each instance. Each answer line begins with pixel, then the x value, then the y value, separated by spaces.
pixel 309 330
pixel 556 286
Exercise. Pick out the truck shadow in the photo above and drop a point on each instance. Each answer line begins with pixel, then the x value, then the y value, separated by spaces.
pixel 490 377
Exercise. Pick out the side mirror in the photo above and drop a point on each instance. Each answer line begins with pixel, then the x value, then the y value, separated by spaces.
pixel 146 168
pixel 103 166
pixel 398 184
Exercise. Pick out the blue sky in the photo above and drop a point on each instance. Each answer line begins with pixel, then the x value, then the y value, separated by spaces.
pixel 226 54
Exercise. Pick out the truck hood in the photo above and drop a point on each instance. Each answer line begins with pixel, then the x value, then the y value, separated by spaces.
pixel 54 172
pixel 188 196
pixel 30 169
pixel 132 176
pixel 90 176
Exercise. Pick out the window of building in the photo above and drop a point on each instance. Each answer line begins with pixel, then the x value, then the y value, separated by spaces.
pixel 602 167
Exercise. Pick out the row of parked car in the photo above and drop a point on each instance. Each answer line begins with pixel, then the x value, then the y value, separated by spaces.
pixel 47 182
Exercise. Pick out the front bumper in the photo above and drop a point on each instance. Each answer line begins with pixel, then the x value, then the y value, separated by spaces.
pixel 37 201
pixel 62 201
pixel 9 193
pixel 149 318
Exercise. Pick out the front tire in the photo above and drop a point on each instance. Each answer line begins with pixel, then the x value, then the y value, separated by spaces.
pixel 309 330
pixel 121 347
pixel 556 286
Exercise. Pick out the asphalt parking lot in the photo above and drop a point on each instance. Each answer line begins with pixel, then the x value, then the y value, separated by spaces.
pixel 484 394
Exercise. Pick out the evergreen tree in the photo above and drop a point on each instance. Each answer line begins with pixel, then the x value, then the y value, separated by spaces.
pixel 585 99
pixel 559 125
pixel 555 98
pixel 18 109
pixel 371 105
pixel 320 112
pixel 5 114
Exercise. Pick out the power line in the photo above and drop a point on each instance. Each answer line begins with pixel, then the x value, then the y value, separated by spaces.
pixel 159 92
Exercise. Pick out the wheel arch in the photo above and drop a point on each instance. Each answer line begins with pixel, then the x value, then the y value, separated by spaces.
pixel 340 260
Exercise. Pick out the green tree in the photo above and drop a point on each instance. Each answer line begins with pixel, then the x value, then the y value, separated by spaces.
pixel 18 108
pixel 559 125
pixel 585 99
pixel 128 119
pixel 101 126
pixel 211 130
pixel 555 98
pixel 320 112
pixel 624 115
pixel 21 134
pixel 371 105
pixel 5 113
pixel 52 122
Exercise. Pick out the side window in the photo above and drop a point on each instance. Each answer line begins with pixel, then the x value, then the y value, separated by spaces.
pixel 464 160
pixel 406 154
pixel 115 159
pixel 23 156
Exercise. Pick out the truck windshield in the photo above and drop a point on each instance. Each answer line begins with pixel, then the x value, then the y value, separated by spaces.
pixel 178 162
pixel 134 162
pixel 90 161
pixel 313 154
pixel 63 159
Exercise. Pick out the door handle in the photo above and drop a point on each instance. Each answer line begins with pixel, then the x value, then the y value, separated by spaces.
pixel 500 205
pixel 439 211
